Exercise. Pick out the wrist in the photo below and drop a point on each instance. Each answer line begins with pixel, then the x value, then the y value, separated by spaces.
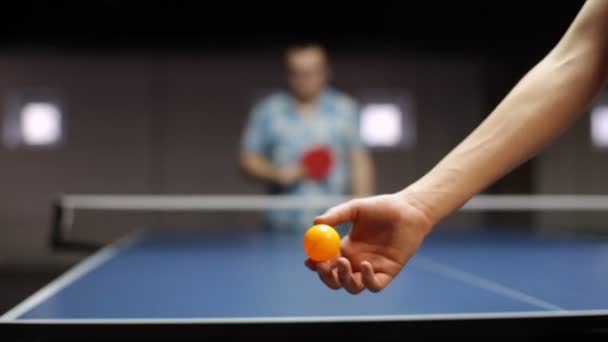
pixel 411 197
pixel 288 174
pixel 274 174
pixel 437 196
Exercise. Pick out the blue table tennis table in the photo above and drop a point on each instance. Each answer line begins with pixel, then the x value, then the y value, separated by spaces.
pixel 194 283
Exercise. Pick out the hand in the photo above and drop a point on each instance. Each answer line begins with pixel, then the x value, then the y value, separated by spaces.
pixel 387 230
pixel 289 175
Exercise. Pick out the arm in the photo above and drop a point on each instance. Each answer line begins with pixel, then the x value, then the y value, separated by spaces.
pixel 362 173
pixel 259 167
pixel 388 229
pixel 255 141
pixel 542 105
pixel 361 163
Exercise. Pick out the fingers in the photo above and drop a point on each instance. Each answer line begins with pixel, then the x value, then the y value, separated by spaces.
pixel 328 275
pixel 349 280
pixel 372 281
pixel 342 213
pixel 339 274
pixel 326 271
pixel 311 265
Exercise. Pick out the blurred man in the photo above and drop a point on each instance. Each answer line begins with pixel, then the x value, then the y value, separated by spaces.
pixel 286 126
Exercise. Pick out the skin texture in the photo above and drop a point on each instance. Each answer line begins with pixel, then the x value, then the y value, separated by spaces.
pixel 388 229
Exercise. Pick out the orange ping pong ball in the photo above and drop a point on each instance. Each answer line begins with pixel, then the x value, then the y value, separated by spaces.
pixel 321 242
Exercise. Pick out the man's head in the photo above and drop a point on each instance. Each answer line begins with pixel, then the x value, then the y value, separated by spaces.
pixel 308 70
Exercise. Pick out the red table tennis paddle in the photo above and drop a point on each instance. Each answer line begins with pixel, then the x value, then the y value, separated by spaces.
pixel 317 162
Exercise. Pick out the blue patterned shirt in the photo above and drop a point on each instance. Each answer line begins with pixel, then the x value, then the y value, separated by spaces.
pixel 278 133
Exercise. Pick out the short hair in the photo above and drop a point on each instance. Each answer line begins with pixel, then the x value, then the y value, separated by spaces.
pixel 299 46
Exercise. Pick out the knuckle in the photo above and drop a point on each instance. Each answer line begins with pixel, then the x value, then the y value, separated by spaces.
pixel 329 282
pixel 354 291
pixel 374 289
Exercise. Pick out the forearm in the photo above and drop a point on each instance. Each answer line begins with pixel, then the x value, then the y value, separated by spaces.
pixel 544 103
pixel 362 174
pixel 258 167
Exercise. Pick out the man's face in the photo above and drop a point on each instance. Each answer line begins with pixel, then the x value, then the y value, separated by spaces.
pixel 307 72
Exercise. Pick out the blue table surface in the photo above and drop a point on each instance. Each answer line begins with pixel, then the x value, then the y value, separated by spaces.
pixel 209 275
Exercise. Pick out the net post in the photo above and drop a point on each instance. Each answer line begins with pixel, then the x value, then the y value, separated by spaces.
pixel 58 240
pixel 56 223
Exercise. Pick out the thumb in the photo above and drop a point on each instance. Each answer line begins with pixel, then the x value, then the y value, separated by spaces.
pixel 342 213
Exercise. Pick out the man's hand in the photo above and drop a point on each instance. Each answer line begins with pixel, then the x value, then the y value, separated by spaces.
pixel 257 166
pixel 289 175
pixel 387 230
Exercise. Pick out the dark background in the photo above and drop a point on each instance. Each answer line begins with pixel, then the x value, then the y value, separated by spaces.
pixel 156 95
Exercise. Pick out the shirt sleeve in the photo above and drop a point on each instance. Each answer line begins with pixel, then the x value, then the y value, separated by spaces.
pixel 353 136
pixel 255 137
